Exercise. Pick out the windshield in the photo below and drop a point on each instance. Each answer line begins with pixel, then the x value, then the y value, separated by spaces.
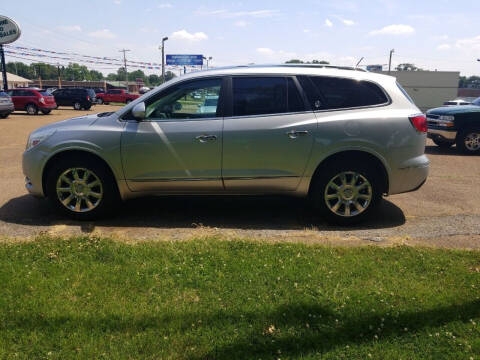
pixel 45 93
pixel 476 101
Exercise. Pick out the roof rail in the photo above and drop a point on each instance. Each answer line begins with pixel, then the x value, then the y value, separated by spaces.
pixel 325 66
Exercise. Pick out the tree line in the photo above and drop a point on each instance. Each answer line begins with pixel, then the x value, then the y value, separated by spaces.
pixel 77 72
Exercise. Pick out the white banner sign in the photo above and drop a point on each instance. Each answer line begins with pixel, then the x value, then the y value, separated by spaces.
pixel 9 30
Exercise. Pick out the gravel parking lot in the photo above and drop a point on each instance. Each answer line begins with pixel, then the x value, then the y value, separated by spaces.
pixel 444 212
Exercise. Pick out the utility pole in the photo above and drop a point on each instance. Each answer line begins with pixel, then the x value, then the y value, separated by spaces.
pixel 390 61
pixel 125 66
pixel 163 57
pixel 4 69
pixel 207 58
pixel 59 76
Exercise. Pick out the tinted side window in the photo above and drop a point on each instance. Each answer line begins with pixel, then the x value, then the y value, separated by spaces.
pixel 259 95
pixel 311 92
pixel 342 93
pixel 295 101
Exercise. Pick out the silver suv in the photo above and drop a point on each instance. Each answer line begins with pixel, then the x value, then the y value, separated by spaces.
pixel 340 136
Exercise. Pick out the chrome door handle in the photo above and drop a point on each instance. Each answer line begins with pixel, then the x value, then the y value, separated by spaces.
pixel 205 138
pixel 294 133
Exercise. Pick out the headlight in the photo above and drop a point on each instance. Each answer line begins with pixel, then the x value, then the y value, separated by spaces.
pixel 37 138
pixel 446 117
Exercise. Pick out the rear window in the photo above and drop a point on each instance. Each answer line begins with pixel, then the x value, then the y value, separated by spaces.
pixel 45 93
pixel 91 93
pixel 405 93
pixel 340 93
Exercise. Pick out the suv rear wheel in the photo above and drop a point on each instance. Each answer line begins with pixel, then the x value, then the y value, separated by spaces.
pixel 346 194
pixel 82 189
pixel 468 141
pixel 31 109
pixel 77 106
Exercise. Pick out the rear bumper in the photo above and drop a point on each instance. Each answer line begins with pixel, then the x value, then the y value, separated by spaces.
pixel 48 107
pixel 410 176
pixel 6 108
pixel 445 135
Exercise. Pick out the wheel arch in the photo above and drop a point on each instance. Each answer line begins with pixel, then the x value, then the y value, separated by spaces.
pixel 72 153
pixel 355 156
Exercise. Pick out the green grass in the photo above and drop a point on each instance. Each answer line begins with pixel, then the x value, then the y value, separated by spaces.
pixel 209 299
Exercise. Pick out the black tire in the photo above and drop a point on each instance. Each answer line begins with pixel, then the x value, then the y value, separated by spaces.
pixel 77 105
pixel 443 144
pixel 468 141
pixel 88 107
pixel 106 103
pixel 31 109
pixel 99 101
pixel 4 116
pixel 108 188
pixel 46 112
pixel 366 172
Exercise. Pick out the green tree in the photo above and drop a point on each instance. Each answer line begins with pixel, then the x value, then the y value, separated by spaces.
pixel 407 67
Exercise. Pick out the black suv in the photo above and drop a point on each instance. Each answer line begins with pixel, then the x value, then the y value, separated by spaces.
pixel 458 125
pixel 78 98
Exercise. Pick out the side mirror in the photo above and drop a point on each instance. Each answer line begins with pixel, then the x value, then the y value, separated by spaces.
pixel 138 111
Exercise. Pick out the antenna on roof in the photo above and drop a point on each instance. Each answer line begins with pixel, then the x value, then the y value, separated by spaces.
pixel 358 63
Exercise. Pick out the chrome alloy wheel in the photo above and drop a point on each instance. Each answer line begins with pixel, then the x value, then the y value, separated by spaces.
pixel 472 141
pixel 348 194
pixel 79 189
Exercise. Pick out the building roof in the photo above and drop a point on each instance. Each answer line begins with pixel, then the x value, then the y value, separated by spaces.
pixel 14 78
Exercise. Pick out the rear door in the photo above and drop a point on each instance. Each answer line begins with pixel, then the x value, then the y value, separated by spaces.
pixel 268 134
pixel 16 99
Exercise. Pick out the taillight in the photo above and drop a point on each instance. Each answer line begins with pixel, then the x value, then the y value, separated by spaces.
pixel 419 122
pixel 88 98
pixel 42 100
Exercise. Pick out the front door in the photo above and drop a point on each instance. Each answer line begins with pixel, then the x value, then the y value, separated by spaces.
pixel 178 147
pixel 269 137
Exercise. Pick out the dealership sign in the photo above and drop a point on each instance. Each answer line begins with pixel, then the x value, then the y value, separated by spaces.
pixel 189 60
pixel 9 30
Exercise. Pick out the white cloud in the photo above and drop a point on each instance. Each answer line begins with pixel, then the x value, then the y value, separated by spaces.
pixel 102 34
pixel 70 28
pixel 444 47
pixel 276 55
pixel 240 23
pixel 306 31
pixel 265 51
pixel 264 13
pixel 395 29
pixel 348 22
pixel 328 23
pixel 117 2
pixel 185 35
pixel 469 43
pixel 165 6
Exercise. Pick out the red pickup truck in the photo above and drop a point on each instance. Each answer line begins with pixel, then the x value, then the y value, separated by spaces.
pixel 116 95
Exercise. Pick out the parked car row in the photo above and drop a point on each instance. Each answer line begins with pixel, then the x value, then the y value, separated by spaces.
pixel 33 100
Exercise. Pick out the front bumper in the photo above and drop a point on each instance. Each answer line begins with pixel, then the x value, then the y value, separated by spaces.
pixel 32 164
pixel 445 135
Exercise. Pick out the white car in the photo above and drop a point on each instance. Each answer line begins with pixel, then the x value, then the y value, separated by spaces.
pixel 456 102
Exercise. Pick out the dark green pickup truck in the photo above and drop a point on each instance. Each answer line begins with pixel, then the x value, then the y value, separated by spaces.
pixel 458 125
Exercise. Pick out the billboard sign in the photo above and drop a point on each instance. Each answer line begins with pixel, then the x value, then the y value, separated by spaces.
pixel 9 30
pixel 184 60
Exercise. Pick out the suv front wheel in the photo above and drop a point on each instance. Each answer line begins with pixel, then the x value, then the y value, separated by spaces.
pixel 81 188
pixel 346 194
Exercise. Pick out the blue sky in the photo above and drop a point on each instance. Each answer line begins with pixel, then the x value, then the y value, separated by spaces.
pixel 443 35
